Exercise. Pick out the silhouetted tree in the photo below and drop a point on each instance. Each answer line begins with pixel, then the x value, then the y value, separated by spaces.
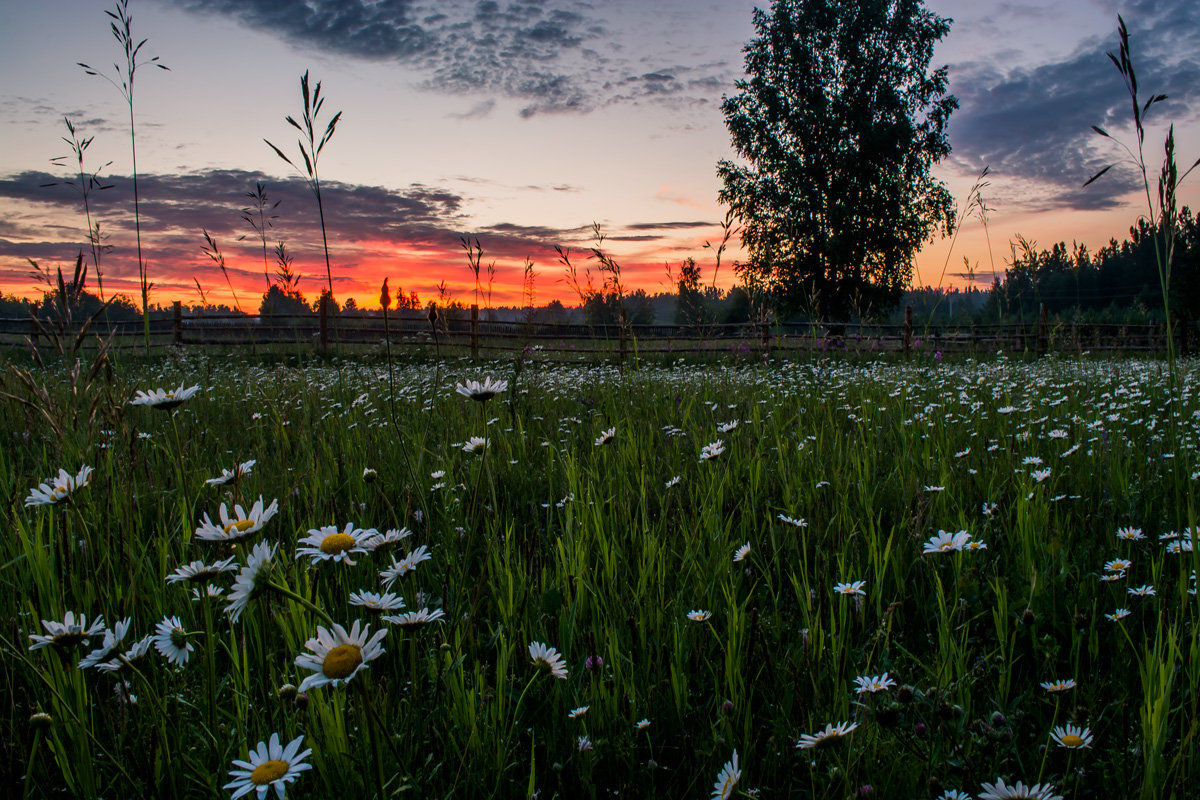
pixel 840 121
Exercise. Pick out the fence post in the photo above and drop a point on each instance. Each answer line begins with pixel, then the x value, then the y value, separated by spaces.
pixel 177 326
pixel 621 335
pixel 474 330
pixel 907 330
pixel 323 317
pixel 1043 329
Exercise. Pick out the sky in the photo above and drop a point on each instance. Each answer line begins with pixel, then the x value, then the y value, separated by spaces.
pixel 525 125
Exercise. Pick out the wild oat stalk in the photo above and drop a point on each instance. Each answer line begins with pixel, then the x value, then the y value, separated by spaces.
pixel 1164 218
pixel 310 154
pixel 259 218
pixel 121 26
pixel 84 186
pixel 214 253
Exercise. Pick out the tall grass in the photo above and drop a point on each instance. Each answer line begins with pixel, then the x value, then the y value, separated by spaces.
pixel 835 472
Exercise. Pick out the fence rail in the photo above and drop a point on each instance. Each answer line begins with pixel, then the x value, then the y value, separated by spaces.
pixel 466 332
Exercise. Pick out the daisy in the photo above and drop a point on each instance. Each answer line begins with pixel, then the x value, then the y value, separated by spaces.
pixel 238 526
pixel 330 544
pixel 57 489
pixel 251 580
pixel 385 541
pixel 641 724
pixel 68 633
pixel 954 794
pixel 408 564
pixel 1071 736
pixel 854 587
pixel 476 444
pixel 583 743
pixel 135 653
pixel 673 482
pixel 726 427
pixel 165 399
pixel 541 654
pixel 336 656
pixel 712 450
pixel 171 641
pixel 975 545
pixel 1059 685
pixel 377 603
pixel 741 553
pixel 1118 565
pixel 831 735
pixel 228 476
pixel 198 571
pixel 1130 534
pixel 576 713
pixel 793 521
pixel 481 392
pixel 1143 591
pixel 870 685
pixel 946 542
pixel 1040 475
pixel 1120 613
pixel 606 437
pixel 699 615
pixel 727 778
pixel 1018 791
pixel 210 592
pixel 112 640
pixel 419 617
pixel 269 766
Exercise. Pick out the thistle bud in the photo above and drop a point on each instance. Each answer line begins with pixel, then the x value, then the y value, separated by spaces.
pixel 385 297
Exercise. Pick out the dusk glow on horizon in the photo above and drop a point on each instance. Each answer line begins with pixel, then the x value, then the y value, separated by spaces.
pixel 520 125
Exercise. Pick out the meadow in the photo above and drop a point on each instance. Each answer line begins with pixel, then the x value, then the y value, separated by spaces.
pixel 811 578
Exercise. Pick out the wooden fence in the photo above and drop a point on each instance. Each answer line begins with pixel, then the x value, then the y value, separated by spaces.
pixel 462 332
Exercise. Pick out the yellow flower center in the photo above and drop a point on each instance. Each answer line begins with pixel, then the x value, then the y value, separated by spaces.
pixel 341 661
pixel 268 771
pixel 241 526
pixel 1071 740
pixel 336 543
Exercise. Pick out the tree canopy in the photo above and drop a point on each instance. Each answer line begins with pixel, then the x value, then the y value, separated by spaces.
pixel 840 121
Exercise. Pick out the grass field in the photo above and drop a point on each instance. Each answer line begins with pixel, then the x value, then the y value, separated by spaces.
pixel 668 580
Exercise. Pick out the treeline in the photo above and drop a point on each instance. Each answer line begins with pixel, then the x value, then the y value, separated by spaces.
pixel 1119 283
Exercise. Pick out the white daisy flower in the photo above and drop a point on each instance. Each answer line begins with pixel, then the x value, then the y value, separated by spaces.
pixel 269 766
pixel 198 571
pixel 421 616
pixel 57 489
pixel 376 602
pixel 112 640
pixel 408 564
pixel 699 615
pixel 238 526
pixel 68 633
pixel 947 542
pixel 606 437
pixel 170 641
pixel 831 735
pixel 1018 791
pixel 712 450
pixel 383 541
pixel 541 654
pixel 228 476
pixel 851 588
pixel 251 580
pixel 741 553
pixel 481 392
pixel 337 656
pixel 330 544
pixel 727 779
pixel 868 684
pixel 165 399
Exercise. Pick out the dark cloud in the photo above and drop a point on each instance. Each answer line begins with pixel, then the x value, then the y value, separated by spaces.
pixel 362 221
pixel 653 226
pixel 556 56
pixel 1034 124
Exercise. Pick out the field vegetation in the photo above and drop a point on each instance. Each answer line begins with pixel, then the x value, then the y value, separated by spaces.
pixel 817 578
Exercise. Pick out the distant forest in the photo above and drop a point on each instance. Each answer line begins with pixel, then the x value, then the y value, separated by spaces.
pixel 1119 283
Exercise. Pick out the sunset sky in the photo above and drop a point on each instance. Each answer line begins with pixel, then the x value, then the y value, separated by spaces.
pixel 522 123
